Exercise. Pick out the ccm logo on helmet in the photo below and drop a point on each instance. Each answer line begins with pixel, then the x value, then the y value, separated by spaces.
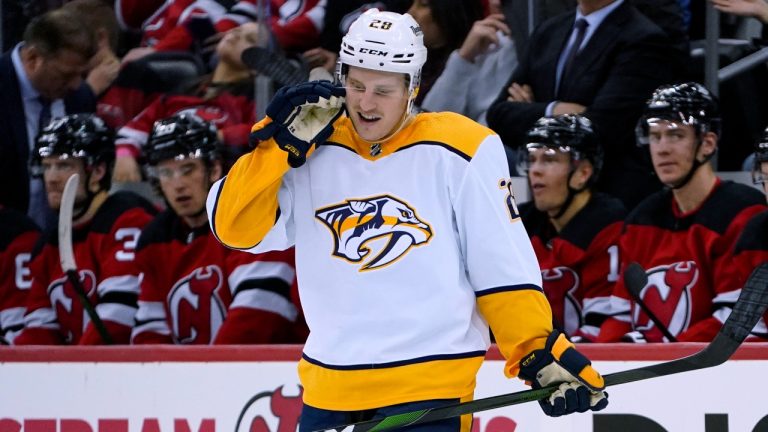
pixel 373 52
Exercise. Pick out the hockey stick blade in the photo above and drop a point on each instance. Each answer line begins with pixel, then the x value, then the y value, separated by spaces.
pixel 67 254
pixel 751 305
pixel 635 279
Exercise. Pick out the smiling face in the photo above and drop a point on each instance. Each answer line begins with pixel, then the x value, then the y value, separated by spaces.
pixel 376 102
pixel 185 183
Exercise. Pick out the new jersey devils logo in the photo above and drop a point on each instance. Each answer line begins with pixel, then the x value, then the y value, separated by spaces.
pixel 69 308
pixel 271 411
pixel 380 223
pixel 668 294
pixel 560 285
pixel 195 306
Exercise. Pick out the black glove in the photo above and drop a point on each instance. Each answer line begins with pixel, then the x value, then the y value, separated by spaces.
pixel 302 116
pixel 559 362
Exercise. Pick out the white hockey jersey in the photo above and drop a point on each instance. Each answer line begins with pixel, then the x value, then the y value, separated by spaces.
pixel 402 258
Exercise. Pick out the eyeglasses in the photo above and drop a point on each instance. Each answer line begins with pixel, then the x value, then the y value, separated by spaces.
pixel 166 173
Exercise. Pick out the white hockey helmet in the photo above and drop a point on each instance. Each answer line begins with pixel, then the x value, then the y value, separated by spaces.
pixel 384 41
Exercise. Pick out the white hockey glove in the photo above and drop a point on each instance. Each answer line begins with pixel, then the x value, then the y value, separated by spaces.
pixel 581 387
pixel 301 116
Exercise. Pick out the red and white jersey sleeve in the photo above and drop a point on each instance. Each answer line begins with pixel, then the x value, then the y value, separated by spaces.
pixel 262 310
pixel 18 236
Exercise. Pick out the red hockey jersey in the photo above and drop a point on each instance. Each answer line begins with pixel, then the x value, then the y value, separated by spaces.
pixel 196 291
pixel 158 20
pixel 295 24
pixel 688 258
pixel 579 265
pixel 231 110
pixel 751 251
pixel 18 235
pixel 104 252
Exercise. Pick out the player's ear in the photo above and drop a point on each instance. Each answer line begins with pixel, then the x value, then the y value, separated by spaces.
pixel 216 171
pixel 582 174
pixel 708 144
pixel 94 179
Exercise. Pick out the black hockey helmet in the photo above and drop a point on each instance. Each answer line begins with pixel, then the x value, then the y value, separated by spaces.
pixel 688 103
pixel 567 133
pixel 83 136
pixel 181 136
pixel 761 148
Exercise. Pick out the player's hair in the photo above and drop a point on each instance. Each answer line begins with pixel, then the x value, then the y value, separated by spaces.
pixel 455 19
pixel 58 30
pixel 97 15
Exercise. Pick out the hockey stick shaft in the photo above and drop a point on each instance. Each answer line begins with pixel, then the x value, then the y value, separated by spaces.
pixel 751 305
pixel 67 255
pixel 635 279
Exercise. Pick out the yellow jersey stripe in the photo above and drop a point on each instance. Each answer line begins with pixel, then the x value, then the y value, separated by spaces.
pixel 521 323
pixel 361 389
pixel 246 204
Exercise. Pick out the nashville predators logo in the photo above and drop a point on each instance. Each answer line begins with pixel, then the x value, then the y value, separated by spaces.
pixel 383 224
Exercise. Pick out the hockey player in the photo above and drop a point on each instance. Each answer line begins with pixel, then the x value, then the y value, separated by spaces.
pixel 574 231
pixel 18 235
pixel 408 241
pixel 752 247
pixel 684 235
pixel 105 229
pixel 194 290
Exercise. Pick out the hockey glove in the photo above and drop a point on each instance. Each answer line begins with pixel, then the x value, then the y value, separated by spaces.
pixel 559 362
pixel 301 116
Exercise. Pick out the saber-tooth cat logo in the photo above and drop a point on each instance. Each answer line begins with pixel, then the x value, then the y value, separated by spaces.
pixel 376 231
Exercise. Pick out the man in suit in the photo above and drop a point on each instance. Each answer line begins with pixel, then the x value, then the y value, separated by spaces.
pixel 41 79
pixel 620 57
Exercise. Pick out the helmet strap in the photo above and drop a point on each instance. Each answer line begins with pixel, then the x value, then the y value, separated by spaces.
pixel 694 167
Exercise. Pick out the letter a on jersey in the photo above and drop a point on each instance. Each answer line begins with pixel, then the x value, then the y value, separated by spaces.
pixel 381 227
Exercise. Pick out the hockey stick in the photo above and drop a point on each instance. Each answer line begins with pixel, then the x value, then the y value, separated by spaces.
pixel 275 66
pixel 67 255
pixel 635 279
pixel 751 305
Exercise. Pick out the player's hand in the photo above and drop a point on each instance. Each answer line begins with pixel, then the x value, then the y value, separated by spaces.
pixel 483 34
pixel 301 116
pixel 103 74
pixel 126 169
pixel 750 8
pixel 581 386
pixel 320 57
pixel 561 108
pixel 520 93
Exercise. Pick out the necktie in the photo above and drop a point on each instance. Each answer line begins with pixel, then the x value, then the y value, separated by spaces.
pixel 45 113
pixel 581 30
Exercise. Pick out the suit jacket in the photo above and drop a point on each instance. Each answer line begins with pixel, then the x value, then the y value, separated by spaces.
pixel 14 147
pixel 613 75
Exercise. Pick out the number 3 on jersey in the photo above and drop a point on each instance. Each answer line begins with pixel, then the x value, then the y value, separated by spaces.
pixel 129 237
